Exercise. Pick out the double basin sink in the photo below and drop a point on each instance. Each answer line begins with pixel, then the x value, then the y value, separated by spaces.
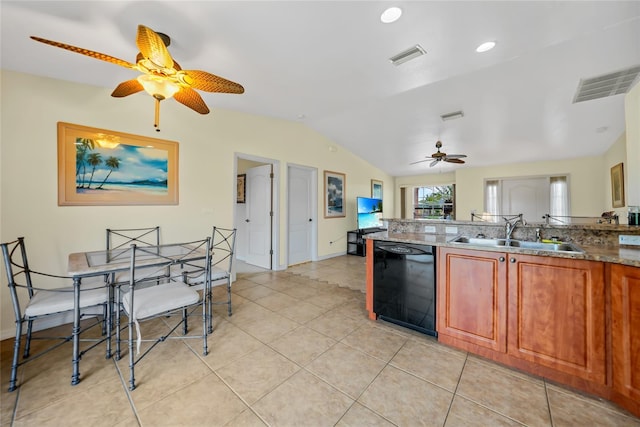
pixel 522 244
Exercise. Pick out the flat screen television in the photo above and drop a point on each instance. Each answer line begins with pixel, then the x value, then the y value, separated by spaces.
pixel 369 213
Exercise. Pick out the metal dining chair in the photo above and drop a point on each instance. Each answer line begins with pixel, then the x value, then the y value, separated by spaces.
pixel 223 243
pixel 33 302
pixel 145 299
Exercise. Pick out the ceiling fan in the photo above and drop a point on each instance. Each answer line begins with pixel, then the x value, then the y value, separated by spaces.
pixel 442 157
pixel 161 77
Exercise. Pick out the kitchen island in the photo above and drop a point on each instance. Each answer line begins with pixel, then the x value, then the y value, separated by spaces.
pixel 570 317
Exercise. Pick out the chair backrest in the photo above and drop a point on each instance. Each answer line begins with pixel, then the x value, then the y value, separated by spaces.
pixel 124 237
pixel 195 254
pixel 223 245
pixel 16 266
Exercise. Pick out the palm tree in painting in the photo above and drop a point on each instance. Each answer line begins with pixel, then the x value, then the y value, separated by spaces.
pixel 94 159
pixel 83 146
pixel 112 163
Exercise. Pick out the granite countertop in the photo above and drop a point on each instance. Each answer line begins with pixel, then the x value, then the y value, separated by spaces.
pixel 613 254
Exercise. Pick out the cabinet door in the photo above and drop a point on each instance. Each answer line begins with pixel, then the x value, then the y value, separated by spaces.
pixel 557 314
pixel 625 329
pixel 472 298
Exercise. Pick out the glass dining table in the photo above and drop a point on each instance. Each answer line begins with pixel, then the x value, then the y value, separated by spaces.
pixel 107 263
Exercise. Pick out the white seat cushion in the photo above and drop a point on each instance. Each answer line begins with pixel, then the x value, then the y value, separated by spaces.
pixel 158 299
pixel 61 299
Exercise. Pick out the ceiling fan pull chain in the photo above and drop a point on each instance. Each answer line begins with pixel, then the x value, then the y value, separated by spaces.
pixel 156 123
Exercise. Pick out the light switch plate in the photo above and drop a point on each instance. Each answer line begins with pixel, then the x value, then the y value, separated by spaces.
pixel 629 240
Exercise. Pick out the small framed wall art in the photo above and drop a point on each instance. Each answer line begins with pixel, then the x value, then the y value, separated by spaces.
pixel 334 194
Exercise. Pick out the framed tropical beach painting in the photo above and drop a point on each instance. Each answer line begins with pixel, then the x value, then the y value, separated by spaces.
pixel 334 193
pixel 103 167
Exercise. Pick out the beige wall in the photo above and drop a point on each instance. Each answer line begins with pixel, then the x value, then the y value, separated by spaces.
pixel 586 187
pixel 632 167
pixel 32 106
pixel 617 153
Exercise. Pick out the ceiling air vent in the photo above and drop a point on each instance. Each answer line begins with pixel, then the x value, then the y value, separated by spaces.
pixel 407 55
pixel 452 116
pixel 606 85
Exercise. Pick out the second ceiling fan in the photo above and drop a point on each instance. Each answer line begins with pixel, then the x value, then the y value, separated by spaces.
pixel 440 156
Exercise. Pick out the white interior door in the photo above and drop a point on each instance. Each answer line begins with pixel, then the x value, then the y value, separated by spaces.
pixel 301 215
pixel 258 212
pixel 528 196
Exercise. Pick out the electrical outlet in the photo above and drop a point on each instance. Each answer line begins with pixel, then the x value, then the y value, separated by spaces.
pixel 633 240
pixel 429 228
pixel 451 230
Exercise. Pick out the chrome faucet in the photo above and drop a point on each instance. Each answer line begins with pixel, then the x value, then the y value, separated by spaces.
pixel 510 225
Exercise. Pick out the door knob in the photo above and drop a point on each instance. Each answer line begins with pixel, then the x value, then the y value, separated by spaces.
pixel 501 259
pixel 512 260
pixel 310 220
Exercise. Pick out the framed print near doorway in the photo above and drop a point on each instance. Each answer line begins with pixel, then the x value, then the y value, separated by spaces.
pixel 241 188
pixel 617 186
pixel 334 194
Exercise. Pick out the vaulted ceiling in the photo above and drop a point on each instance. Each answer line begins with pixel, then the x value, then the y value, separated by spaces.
pixel 326 64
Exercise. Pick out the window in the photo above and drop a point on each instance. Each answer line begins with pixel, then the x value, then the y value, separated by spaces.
pixel 534 197
pixel 434 202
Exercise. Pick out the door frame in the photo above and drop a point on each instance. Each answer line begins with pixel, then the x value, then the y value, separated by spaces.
pixel 314 208
pixel 275 201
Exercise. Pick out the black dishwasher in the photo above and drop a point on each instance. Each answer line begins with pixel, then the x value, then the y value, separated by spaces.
pixel 404 285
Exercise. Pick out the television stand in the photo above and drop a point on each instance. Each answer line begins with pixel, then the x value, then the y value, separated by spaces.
pixel 356 244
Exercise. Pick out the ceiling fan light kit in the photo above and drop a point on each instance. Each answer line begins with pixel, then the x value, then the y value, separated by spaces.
pixel 161 77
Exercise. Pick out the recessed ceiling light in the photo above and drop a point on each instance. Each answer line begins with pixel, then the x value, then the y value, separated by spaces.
pixel 390 15
pixel 485 47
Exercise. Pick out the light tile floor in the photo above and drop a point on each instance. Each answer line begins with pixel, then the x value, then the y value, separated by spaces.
pixel 298 351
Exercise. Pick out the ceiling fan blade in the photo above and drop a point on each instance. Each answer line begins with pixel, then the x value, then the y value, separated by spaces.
pixel 208 82
pixel 191 99
pixel 454 160
pixel 87 52
pixel 127 88
pixel 153 48
pixel 435 162
pixel 456 156
pixel 419 161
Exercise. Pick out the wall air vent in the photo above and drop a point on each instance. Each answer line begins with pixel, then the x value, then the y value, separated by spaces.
pixel 605 85
pixel 407 55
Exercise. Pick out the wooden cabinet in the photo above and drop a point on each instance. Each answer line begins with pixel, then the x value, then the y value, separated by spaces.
pixel 472 298
pixel 625 331
pixel 556 313
pixel 526 311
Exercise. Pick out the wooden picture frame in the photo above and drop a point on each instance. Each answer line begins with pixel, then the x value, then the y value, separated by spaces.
pixel 334 194
pixel 617 186
pixel 98 167
pixel 242 188
pixel 376 189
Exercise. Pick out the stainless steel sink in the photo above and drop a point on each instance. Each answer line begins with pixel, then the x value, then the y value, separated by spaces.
pixel 523 244
pixel 477 241
pixel 541 246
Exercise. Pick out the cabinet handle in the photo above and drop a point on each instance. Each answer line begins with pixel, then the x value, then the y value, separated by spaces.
pixel 512 260
pixel 501 259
